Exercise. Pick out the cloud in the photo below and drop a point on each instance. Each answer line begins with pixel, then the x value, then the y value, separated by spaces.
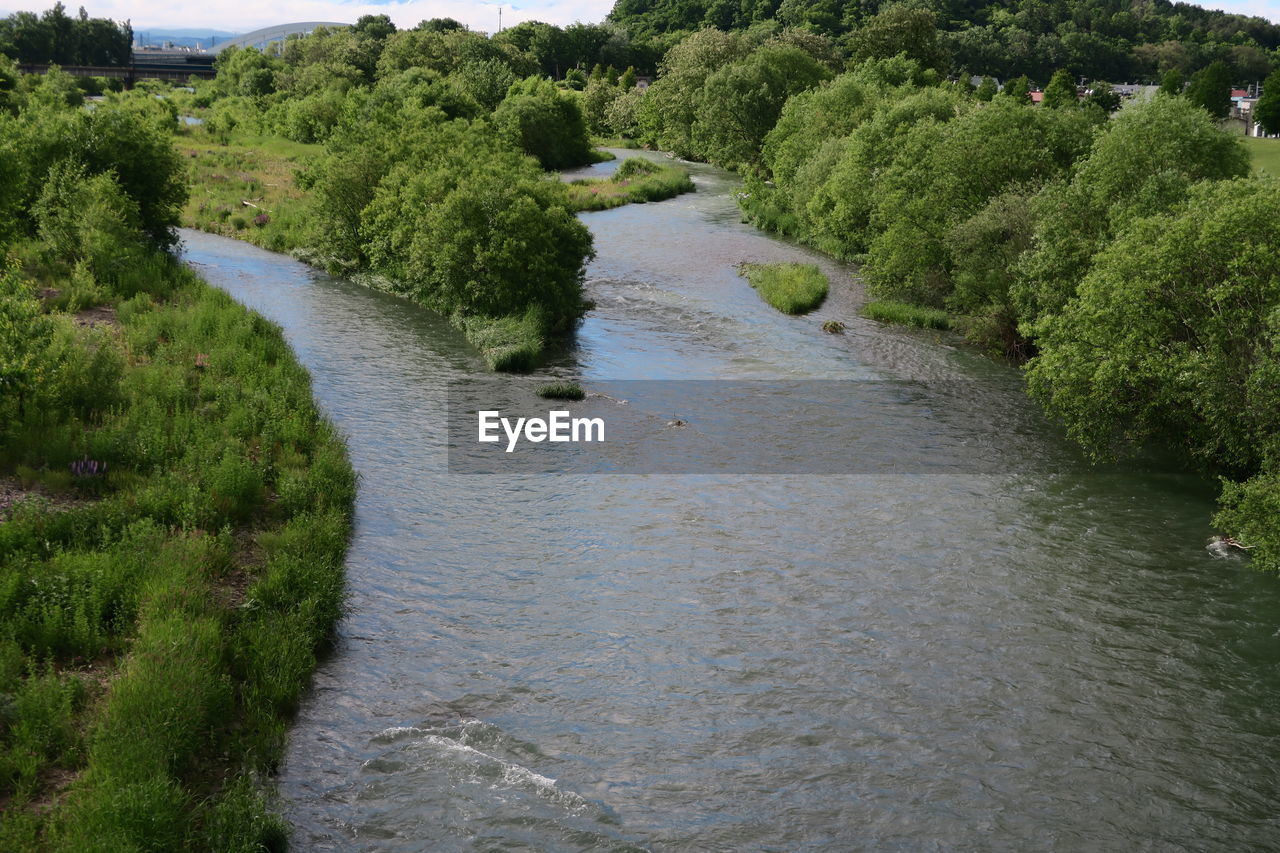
pixel 241 16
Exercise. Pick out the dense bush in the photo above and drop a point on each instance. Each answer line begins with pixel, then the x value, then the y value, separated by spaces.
pixel 545 123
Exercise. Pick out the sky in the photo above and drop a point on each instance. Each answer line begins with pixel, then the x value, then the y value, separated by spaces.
pixel 243 15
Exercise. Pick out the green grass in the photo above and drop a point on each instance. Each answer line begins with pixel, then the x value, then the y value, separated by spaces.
pixel 160 619
pixel 512 344
pixel 1265 154
pixel 905 314
pixel 561 391
pixel 791 288
pixel 260 170
pixel 637 180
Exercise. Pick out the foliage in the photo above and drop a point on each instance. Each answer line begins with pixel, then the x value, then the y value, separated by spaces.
pixel 546 123
pixel 741 102
pixel 1211 89
pixel 789 287
pixel 1266 111
pixel 1144 161
pixel 1094 39
pixel 56 37
pixel 1104 96
pixel 126 659
pixel 900 28
pixel 1061 91
pixel 478 229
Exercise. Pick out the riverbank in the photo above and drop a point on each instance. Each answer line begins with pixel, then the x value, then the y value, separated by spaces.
pixel 174 563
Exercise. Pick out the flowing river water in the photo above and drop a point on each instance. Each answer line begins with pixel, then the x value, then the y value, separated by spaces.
pixel 1021 655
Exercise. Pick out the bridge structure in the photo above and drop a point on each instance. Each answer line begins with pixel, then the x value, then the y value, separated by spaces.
pixel 265 36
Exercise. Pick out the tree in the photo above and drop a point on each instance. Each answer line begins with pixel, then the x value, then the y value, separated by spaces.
pixel 986 89
pixel 668 110
pixel 1172 83
pixel 627 80
pixel 946 173
pixel 1061 91
pixel 468 224
pixel 1266 111
pixel 900 28
pixel 741 102
pixel 1173 335
pixel 596 100
pixel 545 123
pixel 1019 89
pixel 1105 97
pixel 1211 89
pixel 1144 161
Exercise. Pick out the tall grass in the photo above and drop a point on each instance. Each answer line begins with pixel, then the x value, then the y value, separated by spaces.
pixel 161 610
pixel 791 288
pixel 636 180
pixel 906 314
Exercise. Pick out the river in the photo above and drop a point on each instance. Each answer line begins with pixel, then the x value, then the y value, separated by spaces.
pixel 1034 656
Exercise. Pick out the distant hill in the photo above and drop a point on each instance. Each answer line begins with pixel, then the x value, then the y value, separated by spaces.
pixel 1117 40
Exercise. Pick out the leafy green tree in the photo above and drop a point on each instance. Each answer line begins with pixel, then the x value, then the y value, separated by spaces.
pixel 1211 89
pixel 1251 513
pixel 1145 160
pixel 596 100
pixel 471 225
pixel 627 80
pixel 1172 83
pixel 87 218
pixel 947 173
pixel 26 337
pixel 669 108
pixel 985 250
pixel 839 214
pixel 1018 89
pixel 1266 111
pixel 546 123
pixel 1173 335
pixel 900 28
pixel 1104 97
pixel 1061 91
pixel 622 118
pixel 245 71
pixel 8 85
pixel 741 102
pixel 986 89
pixel 486 81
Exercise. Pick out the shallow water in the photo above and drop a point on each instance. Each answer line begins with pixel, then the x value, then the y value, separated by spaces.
pixel 1024 655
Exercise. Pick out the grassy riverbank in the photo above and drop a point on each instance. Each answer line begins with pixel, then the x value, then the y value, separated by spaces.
pixel 175 519
pixel 791 288
pixel 636 181
pixel 248 188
